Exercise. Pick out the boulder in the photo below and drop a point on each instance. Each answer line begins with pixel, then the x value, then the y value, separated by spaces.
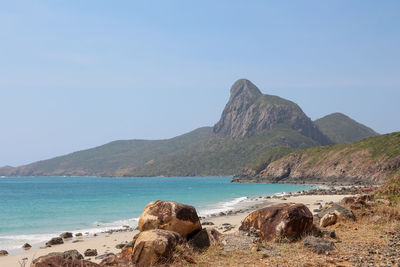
pixel 318 245
pixel 205 238
pixel 328 219
pixel 170 215
pixel 26 246
pixel 66 235
pixel 288 220
pixel 66 255
pixel 154 247
pixel 90 252
pixel 60 261
pixel 3 253
pixel 55 241
pixel 340 211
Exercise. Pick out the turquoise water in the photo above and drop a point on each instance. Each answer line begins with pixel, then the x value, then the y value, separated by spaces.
pixel 38 208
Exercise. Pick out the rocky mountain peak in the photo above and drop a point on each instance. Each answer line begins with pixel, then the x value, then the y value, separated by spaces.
pixel 243 88
pixel 249 112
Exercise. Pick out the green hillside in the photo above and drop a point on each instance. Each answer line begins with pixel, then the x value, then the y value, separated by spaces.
pixel 105 160
pixel 371 160
pixel 222 156
pixel 343 130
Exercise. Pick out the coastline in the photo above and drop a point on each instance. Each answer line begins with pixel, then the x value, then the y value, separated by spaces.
pixel 225 223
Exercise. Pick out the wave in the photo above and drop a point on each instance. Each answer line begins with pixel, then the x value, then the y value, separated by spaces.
pixel 13 242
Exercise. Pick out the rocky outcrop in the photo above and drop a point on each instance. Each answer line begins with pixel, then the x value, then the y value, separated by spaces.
pixel 154 247
pixel 170 215
pixel 285 220
pixel 249 112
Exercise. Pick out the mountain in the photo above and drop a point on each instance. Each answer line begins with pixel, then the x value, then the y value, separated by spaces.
pixel 248 112
pixel 371 160
pixel 107 159
pixel 343 130
pixel 252 127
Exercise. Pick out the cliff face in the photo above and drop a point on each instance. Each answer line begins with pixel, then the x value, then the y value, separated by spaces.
pixel 371 160
pixel 249 112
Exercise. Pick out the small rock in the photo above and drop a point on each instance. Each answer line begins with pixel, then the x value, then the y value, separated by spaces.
pixel 328 219
pixel 102 256
pixel 55 241
pixel 318 245
pixel 329 233
pixel 255 248
pixel 26 246
pixel 120 246
pixel 207 223
pixel 66 235
pixel 90 252
pixel 3 253
pixel 78 234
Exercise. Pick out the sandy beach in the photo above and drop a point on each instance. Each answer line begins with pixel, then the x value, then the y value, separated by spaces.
pixel 106 243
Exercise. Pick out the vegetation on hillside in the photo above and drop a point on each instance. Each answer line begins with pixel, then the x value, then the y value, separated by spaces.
pixel 343 130
pixel 223 156
pixel 375 159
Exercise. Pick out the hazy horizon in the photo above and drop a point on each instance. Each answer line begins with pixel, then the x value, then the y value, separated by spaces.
pixel 75 75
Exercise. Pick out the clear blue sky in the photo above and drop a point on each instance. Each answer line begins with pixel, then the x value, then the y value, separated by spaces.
pixel 77 74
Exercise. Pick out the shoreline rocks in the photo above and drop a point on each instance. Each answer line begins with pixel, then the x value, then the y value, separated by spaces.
pixel 66 235
pixel 55 241
pixel 26 246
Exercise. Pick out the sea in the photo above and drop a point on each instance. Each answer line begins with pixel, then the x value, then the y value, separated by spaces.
pixel 35 209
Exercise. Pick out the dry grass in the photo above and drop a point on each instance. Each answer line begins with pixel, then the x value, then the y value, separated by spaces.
pixel 364 240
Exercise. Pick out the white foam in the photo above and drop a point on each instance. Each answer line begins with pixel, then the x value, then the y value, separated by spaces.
pixel 231 205
pixel 11 242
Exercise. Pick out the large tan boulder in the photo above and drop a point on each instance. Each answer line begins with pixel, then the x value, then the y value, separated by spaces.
pixel 154 247
pixel 285 220
pixel 170 215
pixel 328 219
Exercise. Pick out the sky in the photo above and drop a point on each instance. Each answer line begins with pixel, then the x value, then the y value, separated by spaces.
pixel 78 74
